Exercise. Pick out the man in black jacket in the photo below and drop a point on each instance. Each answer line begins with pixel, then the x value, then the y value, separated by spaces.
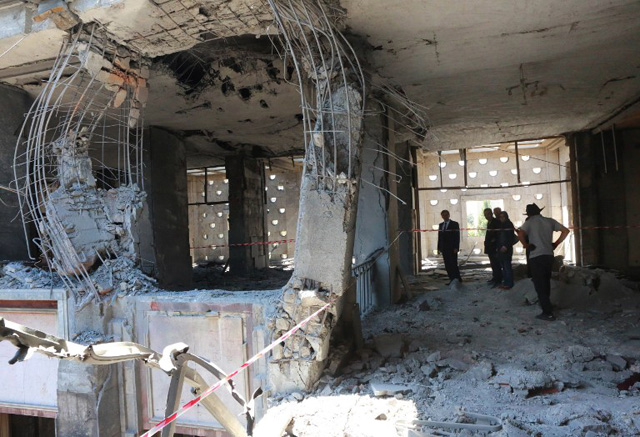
pixel 490 247
pixel 449 245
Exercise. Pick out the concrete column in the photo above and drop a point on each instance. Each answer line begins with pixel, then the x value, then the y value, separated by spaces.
pixel 163 230
pixel 584 186
pixel 247 214
pixel 14 103
pixel 88 401
pixel 324 246
pixel 406 257
pixel 630 165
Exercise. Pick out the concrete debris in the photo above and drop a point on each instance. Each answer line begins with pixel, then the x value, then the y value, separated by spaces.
pixel 19 276
pixel 536 380
pixel 617 362
pixel 119 274
pixel 380 390
pixel 389 345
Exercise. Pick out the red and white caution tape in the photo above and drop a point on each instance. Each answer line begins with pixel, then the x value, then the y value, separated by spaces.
pixel 215 246
pixel 186 407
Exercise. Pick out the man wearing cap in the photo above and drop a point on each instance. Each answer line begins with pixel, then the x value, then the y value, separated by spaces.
pixel 539 231
pixel 449 245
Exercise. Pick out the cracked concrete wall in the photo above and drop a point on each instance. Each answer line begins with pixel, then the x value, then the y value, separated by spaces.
pixel 13 104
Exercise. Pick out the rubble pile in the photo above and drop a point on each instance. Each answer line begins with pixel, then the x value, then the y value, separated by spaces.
pixel 120 275
pixel 17 275
pixel 481 350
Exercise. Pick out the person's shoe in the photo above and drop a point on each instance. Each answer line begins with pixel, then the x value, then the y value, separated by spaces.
pixel 545 316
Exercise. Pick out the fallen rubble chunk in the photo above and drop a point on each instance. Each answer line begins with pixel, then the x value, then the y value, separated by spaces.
pixel 617 362
pixel 433 357
pixel 579 354
pixel 482 371
pixel 380 390
pixel 389 346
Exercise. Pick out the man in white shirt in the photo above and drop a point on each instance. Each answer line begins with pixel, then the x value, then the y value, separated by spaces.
pixel 539 231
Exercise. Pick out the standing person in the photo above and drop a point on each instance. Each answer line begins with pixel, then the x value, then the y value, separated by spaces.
pixel 496 212
pixel 539 231
pixel 449 245
pixel 504 246
pixel 490 247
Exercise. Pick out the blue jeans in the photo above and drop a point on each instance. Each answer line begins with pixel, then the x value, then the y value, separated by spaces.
pixel 505 265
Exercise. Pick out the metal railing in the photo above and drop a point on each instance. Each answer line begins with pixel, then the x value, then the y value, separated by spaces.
pixel 365 274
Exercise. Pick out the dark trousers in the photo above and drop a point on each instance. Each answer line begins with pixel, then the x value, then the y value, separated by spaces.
pixel 496 272
pixel 451 264
pixel 541 276
pixel 504 259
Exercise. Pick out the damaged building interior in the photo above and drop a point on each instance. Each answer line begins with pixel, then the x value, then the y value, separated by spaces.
pixel 222 217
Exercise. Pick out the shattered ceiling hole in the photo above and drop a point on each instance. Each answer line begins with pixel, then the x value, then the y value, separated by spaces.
pixel 188 69
pixel 245 93
pixel 299 117
pixel 264 104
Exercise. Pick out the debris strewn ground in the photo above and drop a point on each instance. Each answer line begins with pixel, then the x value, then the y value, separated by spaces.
pixel 475 349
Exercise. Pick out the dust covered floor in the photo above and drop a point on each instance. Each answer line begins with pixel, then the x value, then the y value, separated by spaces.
pixel 470 348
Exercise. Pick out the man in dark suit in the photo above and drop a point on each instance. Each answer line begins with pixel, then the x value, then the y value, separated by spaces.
pixel 449 245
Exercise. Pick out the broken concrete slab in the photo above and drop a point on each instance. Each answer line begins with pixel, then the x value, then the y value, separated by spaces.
pixel 380 389
pixel 389 346
pixel 617 362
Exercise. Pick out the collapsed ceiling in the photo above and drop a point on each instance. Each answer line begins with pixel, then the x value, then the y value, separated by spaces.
pixel 484 71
